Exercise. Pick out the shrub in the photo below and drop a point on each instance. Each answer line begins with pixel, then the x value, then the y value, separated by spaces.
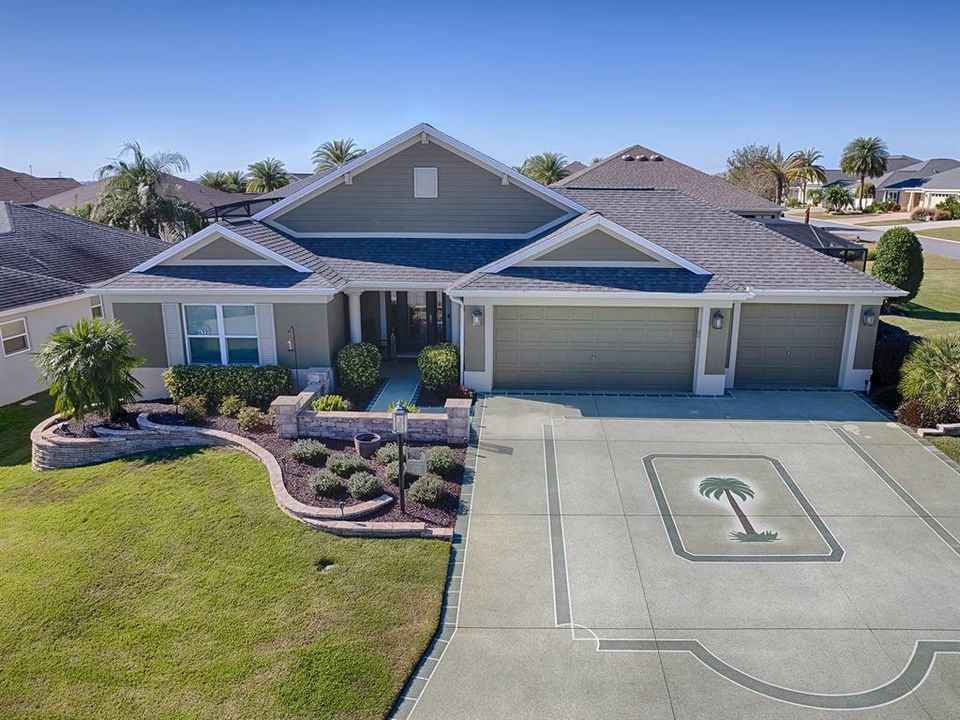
pixel 439 366
pixel 312 452
pixel 231 406
pixel 256 386
pixel 931 373
pixel 358 365
pixel 915 414
pixel 815 196
pixel 393 472
pixel 899 261
pixel 331 403
pixel 427 489
pixel 364 485
pixel 942 214
pixel 388 453
pixel 952 206
pixel 325 483
pixel 440 459
pixel 895 207
pixel 921 214
pixel 793 203
pixel 249 419
pixel 345 464
pixel 194 409
pixel 871 254
pixel 90 367
pixel 411 408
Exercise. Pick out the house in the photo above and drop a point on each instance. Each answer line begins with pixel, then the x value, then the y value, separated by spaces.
pixel 838 177
pixel 22 188
pixel 905 186
pixel 823 241
pixel 637 167
pixel 426 239
pixel 933 190
pixel 205 199
pixel 50 265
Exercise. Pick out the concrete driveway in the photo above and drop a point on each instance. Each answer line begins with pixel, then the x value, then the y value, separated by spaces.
pixel 596 581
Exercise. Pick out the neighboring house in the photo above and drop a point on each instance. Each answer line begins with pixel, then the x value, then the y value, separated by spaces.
pixel 933 191
pixel 574 166
pixel 425 239
pixel 639 168
pixel 838 177
pixel 205 199
pixel 50 264
pixel 823 241
pixel 905 185
pixel 22 188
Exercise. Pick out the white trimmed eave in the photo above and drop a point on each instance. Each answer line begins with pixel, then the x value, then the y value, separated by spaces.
pixel 612 296
pixel 211 232
pixel 418 133
pixel 878 294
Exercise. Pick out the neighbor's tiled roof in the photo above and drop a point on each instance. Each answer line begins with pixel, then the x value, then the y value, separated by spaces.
pixel 663 174
pixel 201 196
pixel 914 175
pixel 22 188
pixel 947 180
pixel 47 254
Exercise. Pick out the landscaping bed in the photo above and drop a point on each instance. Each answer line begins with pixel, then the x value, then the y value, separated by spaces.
pixel 436 398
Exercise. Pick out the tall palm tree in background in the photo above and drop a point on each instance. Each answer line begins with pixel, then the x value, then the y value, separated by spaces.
pixel 266 176
pixel 783 170
pixel 233 181
pixel 334 153
pixel 810 169
pixel 546 168
pixel 865 156
pixel 236 181
pixel 138 195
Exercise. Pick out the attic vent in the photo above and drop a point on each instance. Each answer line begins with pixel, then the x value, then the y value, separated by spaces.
pixel 626 157
pixel 657 158
pixel 642 158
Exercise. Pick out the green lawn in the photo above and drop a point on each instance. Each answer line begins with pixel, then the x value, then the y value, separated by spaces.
pixel 949 446
pixel 874 223
pixel 944 233
pixel 936 309
pixel 171 586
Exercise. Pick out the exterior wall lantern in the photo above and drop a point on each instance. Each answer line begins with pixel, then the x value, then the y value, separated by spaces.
pixel 716 320
pixel 477 317
pixel 869 317
pixel 400 429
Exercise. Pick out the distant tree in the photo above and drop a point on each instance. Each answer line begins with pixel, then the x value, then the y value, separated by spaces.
pixel 783 170
pixel 84 211
pixel 899 261
pixel 810 169
pixel 838 197
pixel 266 176
pixel 815 196
pixel 334 153
pixel 746 169
pixel 137 195
pixel 863 157
pixel 869 190
pixel 234 181
pixel 546 168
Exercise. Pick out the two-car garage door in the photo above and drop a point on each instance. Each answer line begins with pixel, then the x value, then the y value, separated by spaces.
pixel 595 348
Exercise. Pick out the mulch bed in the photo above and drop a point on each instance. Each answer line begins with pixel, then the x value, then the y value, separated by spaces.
pixel 435 398
pixel 127 420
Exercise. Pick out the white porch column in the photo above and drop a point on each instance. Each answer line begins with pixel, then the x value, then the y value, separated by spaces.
pixel 356 330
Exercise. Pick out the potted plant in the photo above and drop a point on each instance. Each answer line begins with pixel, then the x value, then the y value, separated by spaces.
pixel 366 443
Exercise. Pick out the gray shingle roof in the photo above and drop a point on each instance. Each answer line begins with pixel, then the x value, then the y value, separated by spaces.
pixel 22 188
pixel 914 175
pixel 946 180
pixel 48 255
pixel 664 174
pixel 212 277
pixel 202 197
pixel 595 279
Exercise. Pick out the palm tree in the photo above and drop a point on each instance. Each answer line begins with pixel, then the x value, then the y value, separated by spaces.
pixel 90 367
pixel 865 156
pixel 137 195
pixel 266 176
pixel 236 181
pixel 216 179
pixel 810 169
pixel 717 487
pixel 783 170
pixel 838 197
pixel 334 153
pixel 546 168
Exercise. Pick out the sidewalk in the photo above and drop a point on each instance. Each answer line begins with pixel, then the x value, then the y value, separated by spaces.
pixel 403 379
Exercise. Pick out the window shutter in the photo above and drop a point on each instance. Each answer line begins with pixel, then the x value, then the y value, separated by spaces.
pixel 268 336
pixel 173 334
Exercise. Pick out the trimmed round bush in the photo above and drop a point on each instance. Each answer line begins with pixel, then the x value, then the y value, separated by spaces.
pixel 899 261
pixel 364 485
pixel 231 406
pixel 312 452
pixel 331 403
pixel 345 464
pixel 427 489
pixel 325 483
pixel 249 418
pixel 358 365
pixel 440 459
pixel 393 472
pixel 388 453
pixel 931 373
pixel 194 409
pixel 439 366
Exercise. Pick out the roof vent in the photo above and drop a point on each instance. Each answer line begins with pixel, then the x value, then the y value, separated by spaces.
pixel 626 157
pixel 657 158
pixel 642 158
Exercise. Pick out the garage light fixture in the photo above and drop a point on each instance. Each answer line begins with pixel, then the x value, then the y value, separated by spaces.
pixel 477 317
pixel 869 317
pixel 716 321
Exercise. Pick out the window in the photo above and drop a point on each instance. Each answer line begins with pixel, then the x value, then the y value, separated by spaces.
pixel 14 336
pixel 221 334
pixel 425 182
pixel 96 307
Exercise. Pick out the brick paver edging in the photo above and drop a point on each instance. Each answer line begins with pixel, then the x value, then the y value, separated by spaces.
pixel 52 451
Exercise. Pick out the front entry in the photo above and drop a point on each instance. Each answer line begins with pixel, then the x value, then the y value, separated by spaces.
pixel 416 318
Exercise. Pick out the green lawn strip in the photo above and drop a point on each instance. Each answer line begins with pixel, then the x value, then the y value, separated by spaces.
pixel 875 223
pixel 936 309
pixel 16 422
pixel 949 446
pixel 944 233
pixel 170 585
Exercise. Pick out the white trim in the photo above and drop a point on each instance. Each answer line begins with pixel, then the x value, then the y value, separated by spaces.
pixel 25 335
pixel 221 336
pixel 893 292
pixel 364 285
pixel 597 222
pixel 218 230
pixel 251 263
pixel 401 142
pixel 618 296
pixel 421 235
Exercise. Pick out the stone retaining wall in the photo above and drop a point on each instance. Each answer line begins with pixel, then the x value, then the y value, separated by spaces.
pixel 294 419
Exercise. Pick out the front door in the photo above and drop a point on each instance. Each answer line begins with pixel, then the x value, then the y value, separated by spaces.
pixel 417 320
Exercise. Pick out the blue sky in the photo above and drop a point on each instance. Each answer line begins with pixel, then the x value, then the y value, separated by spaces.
pixel 230 83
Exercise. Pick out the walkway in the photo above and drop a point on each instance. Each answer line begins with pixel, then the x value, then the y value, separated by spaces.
pixel 403 378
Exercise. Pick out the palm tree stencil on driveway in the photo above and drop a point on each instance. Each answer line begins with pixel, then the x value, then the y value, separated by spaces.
pixel 731 489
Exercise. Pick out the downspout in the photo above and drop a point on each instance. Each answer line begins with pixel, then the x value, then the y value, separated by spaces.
pixel 460 339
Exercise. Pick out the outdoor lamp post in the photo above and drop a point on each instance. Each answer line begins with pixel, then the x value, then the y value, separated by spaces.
pixel 400 429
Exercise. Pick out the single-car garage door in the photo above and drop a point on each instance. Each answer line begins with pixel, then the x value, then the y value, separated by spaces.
pixel 784 345
pixel 594 348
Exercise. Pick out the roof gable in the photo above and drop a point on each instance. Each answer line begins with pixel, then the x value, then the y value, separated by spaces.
pixel 595 248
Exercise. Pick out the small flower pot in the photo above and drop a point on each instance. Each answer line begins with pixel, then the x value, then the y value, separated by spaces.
pixel 366 444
